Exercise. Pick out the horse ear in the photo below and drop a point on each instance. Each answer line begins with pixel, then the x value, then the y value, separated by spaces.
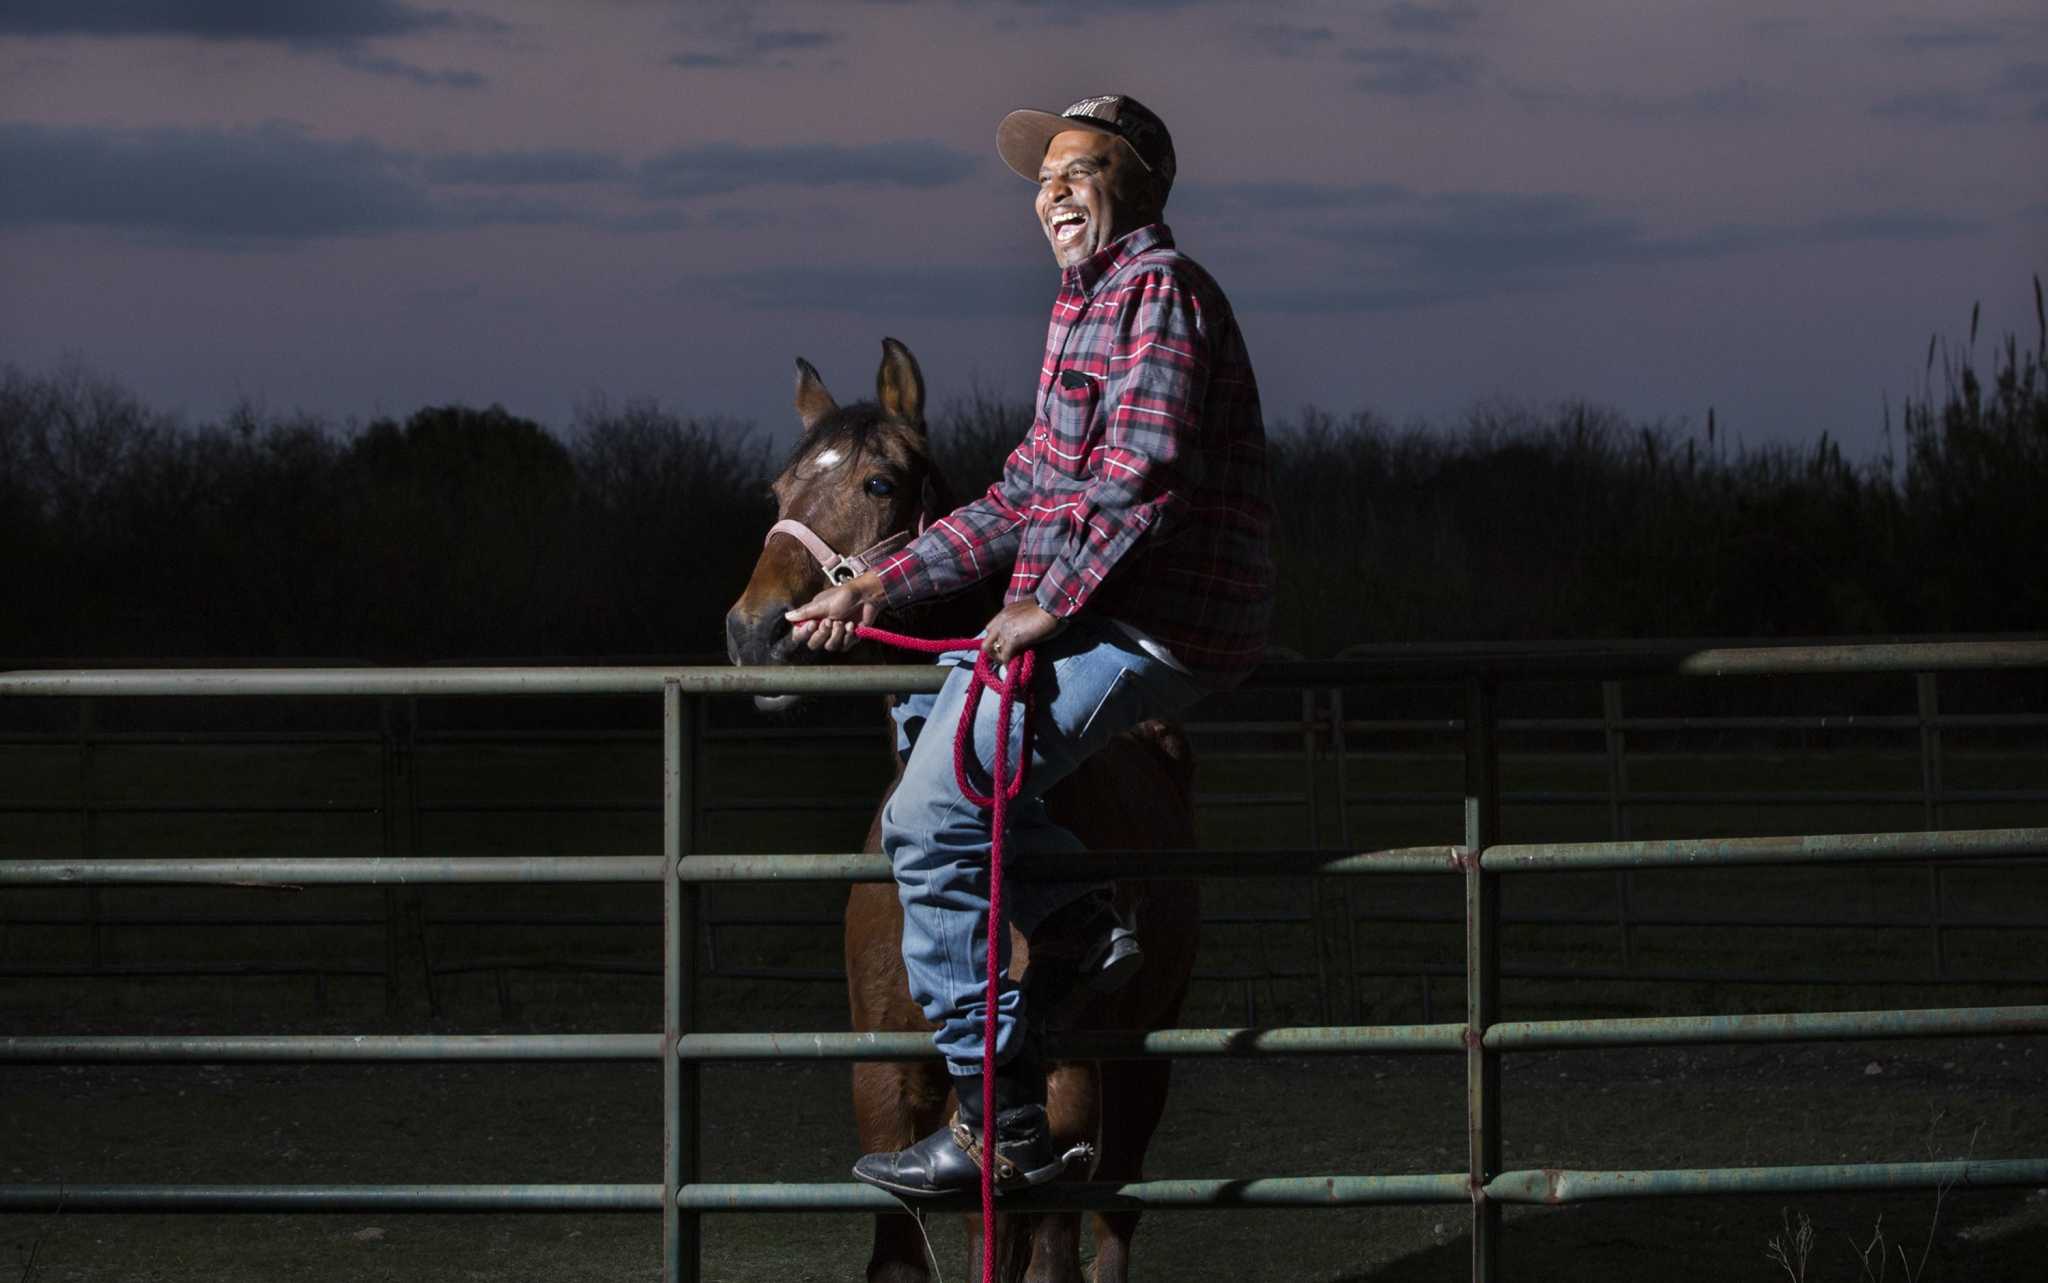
pixel 813 402
pixel 899 385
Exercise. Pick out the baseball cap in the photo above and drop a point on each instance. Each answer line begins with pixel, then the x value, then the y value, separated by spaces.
pixel 1023 136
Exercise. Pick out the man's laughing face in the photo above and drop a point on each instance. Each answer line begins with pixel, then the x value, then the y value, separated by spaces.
pixel 1091 190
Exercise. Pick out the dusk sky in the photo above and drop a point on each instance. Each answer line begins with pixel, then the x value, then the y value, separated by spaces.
pixel 361 207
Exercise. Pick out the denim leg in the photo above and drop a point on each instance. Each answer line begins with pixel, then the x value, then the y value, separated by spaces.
pixel 911 713
pixel 1093 682
pixel 937 843
pixel 1033 830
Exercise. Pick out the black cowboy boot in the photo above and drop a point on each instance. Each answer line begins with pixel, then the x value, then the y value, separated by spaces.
pixel 949 1160
pixel 1112 955
pixel 1084 949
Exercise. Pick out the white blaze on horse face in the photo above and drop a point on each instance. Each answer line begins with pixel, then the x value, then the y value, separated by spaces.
pixel 825 460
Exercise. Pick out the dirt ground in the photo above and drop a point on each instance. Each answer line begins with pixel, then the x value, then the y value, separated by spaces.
pixel 479 1123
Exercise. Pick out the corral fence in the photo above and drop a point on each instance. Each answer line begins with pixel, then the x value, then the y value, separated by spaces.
pixel 682 872
pixel 1342 769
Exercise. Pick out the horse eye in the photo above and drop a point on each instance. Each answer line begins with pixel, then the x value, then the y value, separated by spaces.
pixel 880 487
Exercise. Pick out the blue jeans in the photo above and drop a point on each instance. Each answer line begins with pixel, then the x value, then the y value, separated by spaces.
pixel 1093 681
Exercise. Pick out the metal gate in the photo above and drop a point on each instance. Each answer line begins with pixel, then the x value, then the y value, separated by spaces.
pixel 683 1194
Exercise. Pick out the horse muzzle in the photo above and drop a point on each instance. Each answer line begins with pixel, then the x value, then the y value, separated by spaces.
pixel 762 636
pixel 765 638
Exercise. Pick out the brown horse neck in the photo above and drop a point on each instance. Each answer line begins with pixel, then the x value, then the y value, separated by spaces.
pixel 963 614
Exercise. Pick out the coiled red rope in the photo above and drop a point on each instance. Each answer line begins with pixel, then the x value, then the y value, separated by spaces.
pixel 1005 781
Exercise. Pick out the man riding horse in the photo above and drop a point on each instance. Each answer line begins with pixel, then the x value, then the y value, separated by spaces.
pixel 1132 520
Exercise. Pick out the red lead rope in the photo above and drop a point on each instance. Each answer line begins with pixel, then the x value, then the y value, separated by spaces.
pixel 1003 786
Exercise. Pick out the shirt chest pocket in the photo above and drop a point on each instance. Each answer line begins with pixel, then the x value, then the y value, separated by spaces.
pixel 1071 430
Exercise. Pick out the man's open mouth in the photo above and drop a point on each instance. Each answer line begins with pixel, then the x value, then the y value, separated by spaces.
pixel 1066 225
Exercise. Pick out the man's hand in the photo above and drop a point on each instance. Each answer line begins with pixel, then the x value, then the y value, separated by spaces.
pixel 826 621
pixel 1018 627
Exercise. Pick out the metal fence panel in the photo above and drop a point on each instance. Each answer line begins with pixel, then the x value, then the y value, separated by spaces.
pixel 1481 858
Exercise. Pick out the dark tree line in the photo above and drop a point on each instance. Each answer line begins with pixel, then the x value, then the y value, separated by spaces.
pixel 464 533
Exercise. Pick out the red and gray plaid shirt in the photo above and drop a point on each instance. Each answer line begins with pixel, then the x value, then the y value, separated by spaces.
pixel 1140 492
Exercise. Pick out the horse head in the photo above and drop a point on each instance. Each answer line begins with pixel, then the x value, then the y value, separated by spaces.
pixel 859 485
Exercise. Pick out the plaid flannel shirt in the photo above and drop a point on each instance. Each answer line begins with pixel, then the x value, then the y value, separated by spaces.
pixel 1139 493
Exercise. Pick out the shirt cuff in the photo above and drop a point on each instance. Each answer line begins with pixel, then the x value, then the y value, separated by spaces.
pixel 1062 590
pixel 905 579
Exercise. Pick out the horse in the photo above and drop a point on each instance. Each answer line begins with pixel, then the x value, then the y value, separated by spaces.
pixel 862 477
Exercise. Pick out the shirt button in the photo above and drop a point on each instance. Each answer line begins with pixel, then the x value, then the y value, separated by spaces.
pixel 1041 434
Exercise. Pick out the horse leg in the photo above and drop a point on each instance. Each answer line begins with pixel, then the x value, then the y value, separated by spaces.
pixel 1016 1237
pixel 1048 1246
pixel 1134 1097
pixel 1055 1255
pixel 894 1105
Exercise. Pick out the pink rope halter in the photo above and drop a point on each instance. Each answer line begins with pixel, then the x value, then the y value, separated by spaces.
pixel 839 569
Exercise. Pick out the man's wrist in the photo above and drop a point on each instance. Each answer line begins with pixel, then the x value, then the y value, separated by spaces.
pixel 869 588
pixel 1054 599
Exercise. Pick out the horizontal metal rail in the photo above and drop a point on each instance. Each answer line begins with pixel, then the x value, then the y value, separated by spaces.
pixel 330 1198
pixel 286 870
pixel 325 919
pixel 864 803
pixel 1681 975
pixel 312 1048
pixel 1702 797
pixel 185 970
pixel 1418 663
pixel 1822 1026
pixel 1163 1195
pixel 1285 861
pixel 1555 1185
pixel 811 735
pixel 120 806
pixel 1521 1036
pixel 1543 1185
pixel 1538 1185
pixel 828 867
pixel 1290 1041
pixel 873 679
pixel 1831 848
pixel 1852 848
pixel 117 1049
pixel 1527 918
pixel 2007 979
pixel 1306 1040
pixel 747 805
pixel 1510 970
pixel 1063 1196
pixel 1444 726
pixel 798 918
pixel 1269 863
